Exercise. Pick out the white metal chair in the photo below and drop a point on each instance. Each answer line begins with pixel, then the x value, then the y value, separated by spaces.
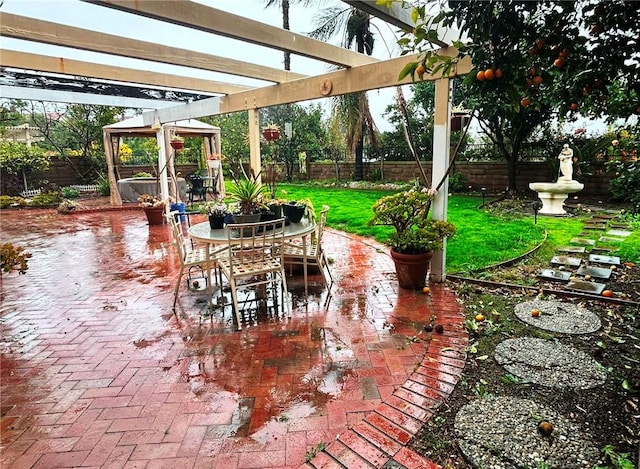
pixel 189 255
pixel 295 251
pixel 255 258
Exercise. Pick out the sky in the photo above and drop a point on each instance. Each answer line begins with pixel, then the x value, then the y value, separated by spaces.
pixel 95 18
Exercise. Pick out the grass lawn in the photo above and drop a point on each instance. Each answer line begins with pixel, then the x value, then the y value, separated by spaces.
pixel 482 239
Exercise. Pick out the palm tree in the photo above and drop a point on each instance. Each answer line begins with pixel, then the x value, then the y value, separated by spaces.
pixel 352 109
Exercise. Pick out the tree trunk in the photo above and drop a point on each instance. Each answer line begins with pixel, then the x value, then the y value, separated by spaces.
pixel 359 168
pixel 285 25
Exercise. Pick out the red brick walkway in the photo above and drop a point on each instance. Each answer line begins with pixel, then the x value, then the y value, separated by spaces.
pixel 97 371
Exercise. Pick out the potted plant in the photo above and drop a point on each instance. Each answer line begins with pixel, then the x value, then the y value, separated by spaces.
pixel 416 236
pixel 247 195
pixel 217 211
pixel 153 207
pixel 177 142
pixel 296 210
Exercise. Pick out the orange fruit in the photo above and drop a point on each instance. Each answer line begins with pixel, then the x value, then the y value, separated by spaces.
pixel 489 74
pixel 558 63
pixel 537 80
pixel 564 54
pixel 574 106
pixel 607 293
pixel 420 69
pixel 498 73
pixel 545 427
pixel 479 317
pixel 540 43
pixel 426 290
pixel 480 75
pixel 524 102
pixel 532 72
pixel 535 313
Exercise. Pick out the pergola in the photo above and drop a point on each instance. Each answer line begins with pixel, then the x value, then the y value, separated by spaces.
pixel 356 73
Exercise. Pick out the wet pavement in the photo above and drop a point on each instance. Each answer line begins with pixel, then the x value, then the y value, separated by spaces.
pixel 99 371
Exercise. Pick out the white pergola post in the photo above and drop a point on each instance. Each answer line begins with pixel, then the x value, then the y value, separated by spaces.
pixel 162 164
pixel 441 150
pixel 255 164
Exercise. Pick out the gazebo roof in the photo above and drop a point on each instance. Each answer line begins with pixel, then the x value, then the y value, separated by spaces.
pixel 136 126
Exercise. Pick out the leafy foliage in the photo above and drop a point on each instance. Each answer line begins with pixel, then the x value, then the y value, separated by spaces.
pixel 13 258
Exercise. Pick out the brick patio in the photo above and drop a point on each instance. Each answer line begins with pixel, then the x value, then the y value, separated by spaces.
pixel 98 371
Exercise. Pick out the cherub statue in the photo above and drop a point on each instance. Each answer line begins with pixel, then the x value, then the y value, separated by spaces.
pixel 566 163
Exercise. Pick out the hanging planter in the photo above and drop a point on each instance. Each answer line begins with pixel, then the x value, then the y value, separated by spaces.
pixel 177 143
pixel 271 133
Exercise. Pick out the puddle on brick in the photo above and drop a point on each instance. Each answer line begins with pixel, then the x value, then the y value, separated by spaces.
pixel 551 274
pixel 601 259
pixel 585 241
pixel 572 249
pixel 586 287
pixel 566 260
pixel 598 272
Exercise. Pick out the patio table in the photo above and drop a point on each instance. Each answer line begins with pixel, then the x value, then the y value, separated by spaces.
pixel 219 237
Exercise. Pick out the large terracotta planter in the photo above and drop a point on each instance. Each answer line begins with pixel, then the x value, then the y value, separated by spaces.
pixel 411 269
pixel 155 215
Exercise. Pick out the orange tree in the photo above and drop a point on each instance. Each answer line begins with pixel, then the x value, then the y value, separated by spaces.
pixel 534 61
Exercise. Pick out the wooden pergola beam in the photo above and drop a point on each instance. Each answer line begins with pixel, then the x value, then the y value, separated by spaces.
pixel 212 20
pixel 66 66
pixel 362 78
pixel 29 29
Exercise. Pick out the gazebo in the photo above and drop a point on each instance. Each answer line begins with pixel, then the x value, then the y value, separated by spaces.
pixel 163 133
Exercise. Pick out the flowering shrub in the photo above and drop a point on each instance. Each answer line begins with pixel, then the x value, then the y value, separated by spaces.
pixel 408 213
pixel 623 159
pixel 148 200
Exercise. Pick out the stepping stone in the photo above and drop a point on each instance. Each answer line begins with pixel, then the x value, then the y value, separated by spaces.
pixel 549 363
pixel 494 432
pixel 598 272
pixel 608 239
pixel 601 259
pixel 604 216
pixel 619 226
pixel 552 274
pixel 585 241
pixel 586 287
pixel 566 260
pixel 604 248
pixel 558 316
pixel 595 226
pixel 620 233
pixel 572 249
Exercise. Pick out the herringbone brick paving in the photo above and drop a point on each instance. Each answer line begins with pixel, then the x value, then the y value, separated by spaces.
pixel 98 371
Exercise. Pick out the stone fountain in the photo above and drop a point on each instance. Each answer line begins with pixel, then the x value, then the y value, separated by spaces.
pixel 553 194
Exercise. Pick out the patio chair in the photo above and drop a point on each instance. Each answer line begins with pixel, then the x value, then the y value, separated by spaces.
pixel 196 187
pixel 189 255
pixel 255 258
pixel 294 251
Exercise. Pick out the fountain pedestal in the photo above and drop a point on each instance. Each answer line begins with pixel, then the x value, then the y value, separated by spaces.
pixel 553 195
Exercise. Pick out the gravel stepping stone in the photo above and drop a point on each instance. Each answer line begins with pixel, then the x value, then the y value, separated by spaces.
pixel 549 363
pixel 609 239
pixel 556 316
pixel 502 432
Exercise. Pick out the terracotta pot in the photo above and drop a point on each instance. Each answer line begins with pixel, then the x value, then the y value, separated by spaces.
pixel 411 269
pixel 155 215
pixel 177 144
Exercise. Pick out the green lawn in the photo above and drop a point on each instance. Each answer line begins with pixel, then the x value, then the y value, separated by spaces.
pixel 482 239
